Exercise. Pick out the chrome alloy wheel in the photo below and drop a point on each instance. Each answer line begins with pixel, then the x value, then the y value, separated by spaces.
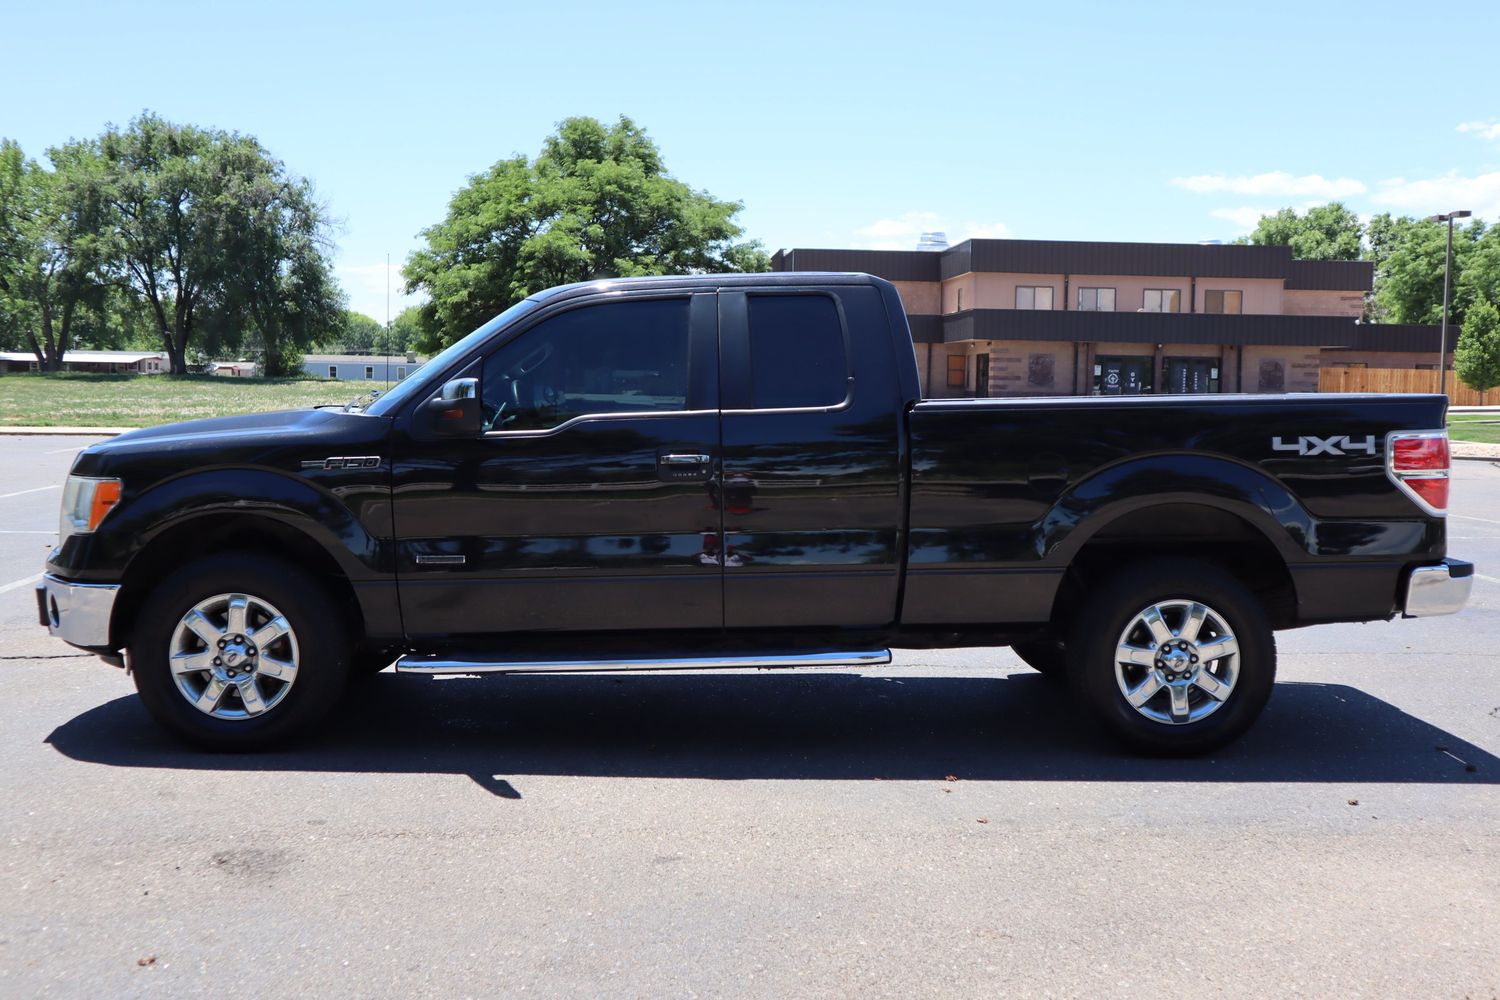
pixel 1177 661
pixel 234 656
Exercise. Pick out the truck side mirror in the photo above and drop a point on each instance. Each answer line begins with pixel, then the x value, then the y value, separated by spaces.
pixel 454 411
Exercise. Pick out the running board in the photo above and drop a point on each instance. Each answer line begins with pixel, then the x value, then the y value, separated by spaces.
pixel 410 664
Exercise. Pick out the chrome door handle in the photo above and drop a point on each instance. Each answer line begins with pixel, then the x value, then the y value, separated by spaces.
pixel 684 459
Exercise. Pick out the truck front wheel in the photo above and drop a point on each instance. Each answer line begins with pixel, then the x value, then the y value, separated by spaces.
pixel 1174 656
pixel 237 651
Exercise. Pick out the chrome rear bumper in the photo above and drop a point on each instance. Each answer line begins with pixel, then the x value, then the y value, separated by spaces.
pixel 77 613
pixel 1438 590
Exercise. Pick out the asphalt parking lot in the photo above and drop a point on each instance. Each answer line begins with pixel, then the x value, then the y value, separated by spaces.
pixel 758 835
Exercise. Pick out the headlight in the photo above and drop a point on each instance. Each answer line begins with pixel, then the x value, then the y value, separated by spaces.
pixel 85 502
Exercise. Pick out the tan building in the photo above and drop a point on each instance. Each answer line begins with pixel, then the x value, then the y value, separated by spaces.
pixel 1041 317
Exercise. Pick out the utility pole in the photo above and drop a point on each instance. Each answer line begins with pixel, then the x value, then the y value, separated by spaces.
pixel 1447 281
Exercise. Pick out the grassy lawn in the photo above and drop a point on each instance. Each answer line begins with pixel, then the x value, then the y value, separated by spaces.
pixel 82 399
pixel 1475 428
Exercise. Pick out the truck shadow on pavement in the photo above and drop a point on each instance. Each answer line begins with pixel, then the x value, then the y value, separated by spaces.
pixel 793 726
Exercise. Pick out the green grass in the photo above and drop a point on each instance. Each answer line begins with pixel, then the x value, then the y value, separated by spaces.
pixel 82 399
pixel 1481 427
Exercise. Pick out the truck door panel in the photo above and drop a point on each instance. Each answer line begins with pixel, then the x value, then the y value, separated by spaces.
pixel 588 503
pixel 812 493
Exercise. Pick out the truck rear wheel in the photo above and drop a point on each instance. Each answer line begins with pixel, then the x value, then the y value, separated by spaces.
pixel 1174 657
pixel 238 652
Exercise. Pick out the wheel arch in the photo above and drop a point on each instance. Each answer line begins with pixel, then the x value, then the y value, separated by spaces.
pixel 211 532
pixel 1212 530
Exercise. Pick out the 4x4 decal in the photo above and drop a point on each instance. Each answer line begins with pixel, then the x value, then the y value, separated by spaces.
pixel 1339 444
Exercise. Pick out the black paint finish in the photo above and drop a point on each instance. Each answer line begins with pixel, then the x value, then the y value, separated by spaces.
pixel 880 517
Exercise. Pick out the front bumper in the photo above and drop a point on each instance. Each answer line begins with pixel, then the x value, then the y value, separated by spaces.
pixel 1438 590
pixel 77 613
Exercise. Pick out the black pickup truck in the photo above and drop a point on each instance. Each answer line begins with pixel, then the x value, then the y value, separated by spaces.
pixel 739 471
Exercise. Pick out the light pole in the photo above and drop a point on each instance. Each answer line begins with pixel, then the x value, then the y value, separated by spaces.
pixel 1447 275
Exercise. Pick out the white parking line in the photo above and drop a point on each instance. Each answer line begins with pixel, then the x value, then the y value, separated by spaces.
pixel 17 584
pixel 1466 517
pixel 39 489
pixel 17 531
pixel 1487 579
pixel 59 451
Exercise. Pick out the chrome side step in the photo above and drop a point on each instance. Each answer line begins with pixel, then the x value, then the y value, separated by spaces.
pixel 410 664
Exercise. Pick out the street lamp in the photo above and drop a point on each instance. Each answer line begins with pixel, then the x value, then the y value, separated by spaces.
pixel 1447 274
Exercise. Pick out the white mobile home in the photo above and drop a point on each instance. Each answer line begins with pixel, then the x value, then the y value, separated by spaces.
pixel 361 367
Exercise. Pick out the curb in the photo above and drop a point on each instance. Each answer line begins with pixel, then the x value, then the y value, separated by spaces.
pixel 65 431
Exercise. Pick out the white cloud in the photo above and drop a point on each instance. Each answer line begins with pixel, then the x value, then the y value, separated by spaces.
pixel 1243 218
pixel 1444 193
pixel 365 285
pixel 1276 184
pixel 1485 130
pixel 902 232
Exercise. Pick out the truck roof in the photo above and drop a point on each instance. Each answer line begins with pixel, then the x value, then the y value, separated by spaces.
pixel 760 279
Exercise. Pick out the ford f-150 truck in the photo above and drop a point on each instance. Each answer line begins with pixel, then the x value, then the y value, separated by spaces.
pixel 739 471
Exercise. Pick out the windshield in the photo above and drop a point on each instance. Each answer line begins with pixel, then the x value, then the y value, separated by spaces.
pixel 378 403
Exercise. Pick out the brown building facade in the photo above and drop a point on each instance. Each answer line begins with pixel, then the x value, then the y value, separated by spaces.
pixel 1040 317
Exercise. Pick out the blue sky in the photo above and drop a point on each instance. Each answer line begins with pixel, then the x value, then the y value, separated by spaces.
pixel 836 124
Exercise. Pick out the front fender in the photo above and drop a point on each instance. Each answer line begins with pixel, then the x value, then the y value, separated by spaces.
pixel 139 520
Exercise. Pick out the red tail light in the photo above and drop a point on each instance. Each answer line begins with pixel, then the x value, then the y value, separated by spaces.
pixel 1417 462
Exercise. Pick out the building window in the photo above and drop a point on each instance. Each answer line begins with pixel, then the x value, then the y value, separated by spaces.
pixel 1190 375
pixel 400 374
pixel 958 370
pixel 1122 376
pixel 369 371
pixel 1096 300
pixel 1033 296
pixel 1162 300
pixel 333 371
pixel 960 307
pixel 1223 301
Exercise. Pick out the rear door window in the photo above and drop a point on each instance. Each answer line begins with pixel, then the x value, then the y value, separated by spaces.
pixel 797 352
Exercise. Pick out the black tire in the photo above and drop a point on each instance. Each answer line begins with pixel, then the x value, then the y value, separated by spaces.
pixel 1047 657
pixel 322 649
pixel 367 662
pixel 1123 601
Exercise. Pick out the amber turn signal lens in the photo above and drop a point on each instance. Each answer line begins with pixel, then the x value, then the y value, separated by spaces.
pixel 106 495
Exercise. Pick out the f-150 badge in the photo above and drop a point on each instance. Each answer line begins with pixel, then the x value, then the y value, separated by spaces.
pixel 1339 444
pixel 344 462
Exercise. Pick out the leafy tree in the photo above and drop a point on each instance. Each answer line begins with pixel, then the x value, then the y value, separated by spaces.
pixel 356 335
pixel 1409 260
pixel 1477 357
pixel 406 328
pixel 1327 232
pixel 596 203
pixel 212 235
pixel 48 248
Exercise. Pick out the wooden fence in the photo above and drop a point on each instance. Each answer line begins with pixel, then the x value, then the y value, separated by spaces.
pixel 1402 380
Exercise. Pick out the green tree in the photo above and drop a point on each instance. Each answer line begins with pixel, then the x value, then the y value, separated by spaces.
pixel 1477 357
pixel 596 203
pixel 406 329
pixel 357 334
pixel 1409 257
pixel 1326 232
pixel 48 252
pixel 212 235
